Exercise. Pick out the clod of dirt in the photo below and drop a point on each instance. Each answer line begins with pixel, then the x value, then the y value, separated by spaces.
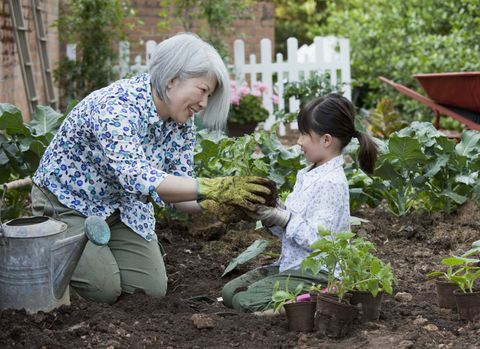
pixel 403 297
pixel 202 321
pixel 431 328
pixel 271 199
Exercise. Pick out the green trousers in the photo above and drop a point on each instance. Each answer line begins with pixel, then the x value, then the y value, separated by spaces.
pixel 128 263
pixel 253 290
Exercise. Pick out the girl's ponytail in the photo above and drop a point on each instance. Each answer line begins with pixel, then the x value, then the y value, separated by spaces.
pixel 368 152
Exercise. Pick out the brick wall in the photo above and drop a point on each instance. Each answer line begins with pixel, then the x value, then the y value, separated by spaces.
pixel 258 23
pixel 12 89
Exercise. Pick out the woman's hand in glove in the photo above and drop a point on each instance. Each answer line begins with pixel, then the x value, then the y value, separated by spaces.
pixel 224 213
pixel 270 215
pixel 241 191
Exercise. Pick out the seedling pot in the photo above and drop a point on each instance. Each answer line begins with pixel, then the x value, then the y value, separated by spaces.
pixel 368 304
pixel 445 297
pixel 300 316
pixel 334 318
pixel 239 130
pixel 468 304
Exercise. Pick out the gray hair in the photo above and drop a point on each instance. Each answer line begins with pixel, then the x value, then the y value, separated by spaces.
pixel 186 56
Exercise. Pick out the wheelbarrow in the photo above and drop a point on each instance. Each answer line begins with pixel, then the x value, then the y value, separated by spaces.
pixel 452 94
pixel 38 258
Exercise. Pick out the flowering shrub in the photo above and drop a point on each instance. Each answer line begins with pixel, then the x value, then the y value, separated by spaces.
pixel 246 104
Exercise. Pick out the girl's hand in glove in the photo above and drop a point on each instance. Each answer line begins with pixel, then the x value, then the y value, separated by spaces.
pixel 224 213
pixel 241 191
pixel 270 215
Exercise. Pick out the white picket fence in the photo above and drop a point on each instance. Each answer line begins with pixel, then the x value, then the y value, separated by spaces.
pixel 325 54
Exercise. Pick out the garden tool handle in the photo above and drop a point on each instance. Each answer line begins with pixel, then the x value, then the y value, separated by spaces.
pixel 19 183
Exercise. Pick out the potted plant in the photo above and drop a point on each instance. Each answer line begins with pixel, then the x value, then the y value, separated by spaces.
pixel 459 270
pixel 334 315
pixel 300 315
pixel 246 108
pixel 445 285
pixel 369 277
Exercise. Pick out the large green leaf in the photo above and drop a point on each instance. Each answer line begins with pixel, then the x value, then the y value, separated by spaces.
pixel 441 161
pixel 406 151
pixel 44 121
pixel 257 247
pixel 470 144
pixel 11 120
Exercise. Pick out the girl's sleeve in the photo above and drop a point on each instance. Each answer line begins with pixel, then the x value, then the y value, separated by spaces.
pixel 327 209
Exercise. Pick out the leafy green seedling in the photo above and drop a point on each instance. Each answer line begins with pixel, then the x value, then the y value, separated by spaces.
pixel 281 297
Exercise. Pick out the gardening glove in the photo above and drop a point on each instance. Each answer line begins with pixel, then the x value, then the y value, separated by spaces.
pixel 224 213
pixel 241 191
pixel 270 215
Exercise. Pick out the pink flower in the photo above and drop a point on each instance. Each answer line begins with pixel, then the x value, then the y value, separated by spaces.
pixel 243 91
pixel 256 93
pixel 274 99
pixel 233 84
pixel 258 85
pixel 235 99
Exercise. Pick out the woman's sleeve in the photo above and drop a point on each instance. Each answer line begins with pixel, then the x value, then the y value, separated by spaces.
pixel 327 209
pixel 116 126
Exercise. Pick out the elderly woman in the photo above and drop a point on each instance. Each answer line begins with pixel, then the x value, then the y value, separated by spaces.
pixel 132 140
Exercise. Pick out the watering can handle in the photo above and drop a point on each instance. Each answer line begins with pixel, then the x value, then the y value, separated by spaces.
pixel 19 183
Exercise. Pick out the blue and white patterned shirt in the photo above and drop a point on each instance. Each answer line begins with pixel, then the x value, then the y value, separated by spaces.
pixel 112 151
pixel 320 198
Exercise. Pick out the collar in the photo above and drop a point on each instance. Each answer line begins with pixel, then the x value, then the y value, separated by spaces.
pixel 321 171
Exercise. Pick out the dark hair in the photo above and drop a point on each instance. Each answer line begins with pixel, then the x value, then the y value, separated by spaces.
pixel 335 115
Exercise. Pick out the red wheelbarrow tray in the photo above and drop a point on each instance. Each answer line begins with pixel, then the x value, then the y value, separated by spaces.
pixel 453 94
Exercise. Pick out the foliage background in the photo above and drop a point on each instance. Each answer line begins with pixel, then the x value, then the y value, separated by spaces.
pixel 395 38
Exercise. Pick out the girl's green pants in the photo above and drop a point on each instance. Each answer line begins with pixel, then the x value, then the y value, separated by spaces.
pixel 128 263
pixel 253 290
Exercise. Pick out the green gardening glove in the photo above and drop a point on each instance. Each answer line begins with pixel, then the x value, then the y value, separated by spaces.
pixel 241 191
pixel 224 213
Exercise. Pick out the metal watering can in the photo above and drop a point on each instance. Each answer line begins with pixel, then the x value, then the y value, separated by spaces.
pixel 37 259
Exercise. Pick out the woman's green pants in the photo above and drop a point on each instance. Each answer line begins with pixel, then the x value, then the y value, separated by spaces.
pixel 253 290
pixel 128 263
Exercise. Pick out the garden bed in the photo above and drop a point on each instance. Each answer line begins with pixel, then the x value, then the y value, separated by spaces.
pixel 196 257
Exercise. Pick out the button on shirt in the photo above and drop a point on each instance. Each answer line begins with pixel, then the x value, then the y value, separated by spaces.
pixel 112 151
pixel 320 198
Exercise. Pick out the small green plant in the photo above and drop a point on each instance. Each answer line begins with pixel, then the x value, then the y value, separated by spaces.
pixel 281 297
pixel 349 263
pixel 308 88
pixel 327 256
pixel 461 270
pixel 366 271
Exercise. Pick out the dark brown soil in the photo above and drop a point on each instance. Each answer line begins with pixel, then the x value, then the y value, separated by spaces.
pixel 196 257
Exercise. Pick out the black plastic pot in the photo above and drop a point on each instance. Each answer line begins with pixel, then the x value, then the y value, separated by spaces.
pixel 334 318
pixel 238 130
pixel 369 306
pixel 445 297
pixel 468 304
pixel 300 316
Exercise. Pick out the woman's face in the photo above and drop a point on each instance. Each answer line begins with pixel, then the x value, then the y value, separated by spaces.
pixel 187 97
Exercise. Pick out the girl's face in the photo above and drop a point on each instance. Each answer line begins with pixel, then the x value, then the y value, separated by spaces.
pixel 312 146
pixel 187 97
pixel 318 148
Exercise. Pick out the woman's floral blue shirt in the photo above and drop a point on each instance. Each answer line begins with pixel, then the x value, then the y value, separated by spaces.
pixel 112 151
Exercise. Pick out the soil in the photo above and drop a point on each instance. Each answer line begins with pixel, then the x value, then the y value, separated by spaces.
pixel 198 252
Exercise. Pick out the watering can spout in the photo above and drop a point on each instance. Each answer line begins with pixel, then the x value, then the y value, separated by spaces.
pixel 67 252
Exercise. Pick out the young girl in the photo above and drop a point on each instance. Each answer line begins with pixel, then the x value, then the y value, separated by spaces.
pixel 320 199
